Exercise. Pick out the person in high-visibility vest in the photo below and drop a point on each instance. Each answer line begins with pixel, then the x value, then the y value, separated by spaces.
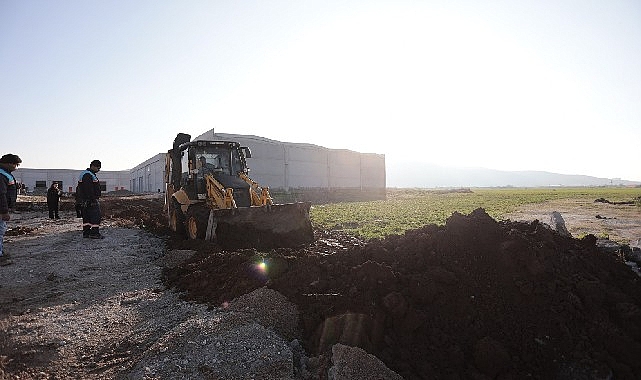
pixel 8 196
pixel 88 194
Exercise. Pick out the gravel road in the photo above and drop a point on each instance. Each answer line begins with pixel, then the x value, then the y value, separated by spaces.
pixel 97 309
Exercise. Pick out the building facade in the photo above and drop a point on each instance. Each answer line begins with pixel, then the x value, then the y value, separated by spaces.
pixel 148 177
pixel 290 166
pixel 293 171
pixel 37 181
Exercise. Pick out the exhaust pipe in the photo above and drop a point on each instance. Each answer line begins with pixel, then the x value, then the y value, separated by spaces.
pixel 176 171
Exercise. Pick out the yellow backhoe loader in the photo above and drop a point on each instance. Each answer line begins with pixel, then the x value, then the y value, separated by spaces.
pixel 209 195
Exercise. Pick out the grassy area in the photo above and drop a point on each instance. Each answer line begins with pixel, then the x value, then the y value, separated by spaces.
pixel 412 208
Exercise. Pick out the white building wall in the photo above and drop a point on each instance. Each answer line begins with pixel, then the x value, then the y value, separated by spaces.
pixel 308 166
pixel 344 169
pixel 281 165
pixel 114 180
pixel 267 165
pixel 373 174
pixel 276 164
pixel 148 177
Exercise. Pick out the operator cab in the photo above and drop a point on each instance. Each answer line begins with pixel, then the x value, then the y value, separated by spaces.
pixel 221 159
pixel 214 162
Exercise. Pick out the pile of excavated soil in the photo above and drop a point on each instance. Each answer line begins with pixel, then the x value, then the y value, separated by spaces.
pixel 475 298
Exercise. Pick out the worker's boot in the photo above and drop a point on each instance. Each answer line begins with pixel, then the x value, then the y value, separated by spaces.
pixel 94 234
pixel 85 231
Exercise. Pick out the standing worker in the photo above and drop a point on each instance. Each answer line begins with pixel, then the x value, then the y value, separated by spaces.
pixel 88 193
pixel 8 195
pixel 53 200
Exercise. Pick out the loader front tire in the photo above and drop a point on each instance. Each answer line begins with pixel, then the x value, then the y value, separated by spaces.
pixel 196 221
pixel 192 228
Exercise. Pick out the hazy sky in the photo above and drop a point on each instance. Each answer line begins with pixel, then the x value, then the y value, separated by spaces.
pixel 515 85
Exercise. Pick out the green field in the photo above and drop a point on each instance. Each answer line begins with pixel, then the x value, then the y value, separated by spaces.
pixel 412 208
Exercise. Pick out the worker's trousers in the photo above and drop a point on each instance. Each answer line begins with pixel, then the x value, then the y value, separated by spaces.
pixel 53 210
pixel 91 214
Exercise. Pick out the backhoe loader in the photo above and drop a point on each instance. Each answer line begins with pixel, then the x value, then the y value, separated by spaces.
pixel 209 195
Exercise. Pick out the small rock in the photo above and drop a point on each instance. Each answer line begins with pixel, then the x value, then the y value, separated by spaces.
pixel 558 224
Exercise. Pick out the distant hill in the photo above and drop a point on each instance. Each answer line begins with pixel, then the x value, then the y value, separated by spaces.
pixel 429 176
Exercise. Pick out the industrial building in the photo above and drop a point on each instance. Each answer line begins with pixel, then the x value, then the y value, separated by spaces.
pixel 37 181
pixel 293 171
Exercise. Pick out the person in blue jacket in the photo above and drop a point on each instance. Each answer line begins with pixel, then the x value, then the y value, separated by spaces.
pixel 8 194
pixel 88 194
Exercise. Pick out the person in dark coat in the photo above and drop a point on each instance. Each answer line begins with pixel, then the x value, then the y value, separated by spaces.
pixel 88 193
pixel 53 200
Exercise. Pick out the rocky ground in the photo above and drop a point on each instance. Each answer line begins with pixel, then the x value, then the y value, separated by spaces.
pixel 476 298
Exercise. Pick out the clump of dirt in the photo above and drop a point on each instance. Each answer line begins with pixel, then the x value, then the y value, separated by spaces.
pixel 603 200
pixel 19 230
pixel 475 298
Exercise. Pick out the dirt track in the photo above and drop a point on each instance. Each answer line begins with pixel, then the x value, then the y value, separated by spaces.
pixel 475 298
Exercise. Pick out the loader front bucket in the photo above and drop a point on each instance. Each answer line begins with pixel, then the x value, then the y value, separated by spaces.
pixel 282 225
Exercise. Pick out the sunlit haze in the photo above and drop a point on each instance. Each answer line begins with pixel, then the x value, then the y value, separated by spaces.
pixel 512 85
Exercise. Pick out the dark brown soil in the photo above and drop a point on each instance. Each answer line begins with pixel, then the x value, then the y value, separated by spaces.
pixel 473 299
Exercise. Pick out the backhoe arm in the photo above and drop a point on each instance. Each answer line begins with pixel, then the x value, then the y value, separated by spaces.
pixel 260 195
pixel 217 195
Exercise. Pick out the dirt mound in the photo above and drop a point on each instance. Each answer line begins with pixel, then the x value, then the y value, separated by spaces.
pixel 143 211
pixel 475 298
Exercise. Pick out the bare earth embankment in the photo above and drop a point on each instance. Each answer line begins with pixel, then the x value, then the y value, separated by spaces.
pixel 475 298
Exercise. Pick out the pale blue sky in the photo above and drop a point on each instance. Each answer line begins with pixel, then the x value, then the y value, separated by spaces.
pixel 512 85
